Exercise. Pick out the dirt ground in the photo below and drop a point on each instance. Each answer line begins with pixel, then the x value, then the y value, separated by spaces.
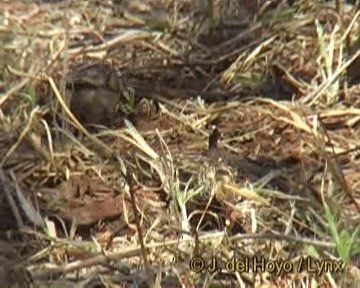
pixel 179 143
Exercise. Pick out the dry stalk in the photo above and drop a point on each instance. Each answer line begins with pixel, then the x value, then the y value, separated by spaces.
pixel 335 169
pixel 129 179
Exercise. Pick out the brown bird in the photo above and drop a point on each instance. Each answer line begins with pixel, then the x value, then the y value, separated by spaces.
pixel 95 106
pixel 353 71
pixel 97 95
pixel 100 75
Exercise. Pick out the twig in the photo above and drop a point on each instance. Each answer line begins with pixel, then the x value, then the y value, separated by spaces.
pixel 43 272
pixel 130 181
pixel 335 168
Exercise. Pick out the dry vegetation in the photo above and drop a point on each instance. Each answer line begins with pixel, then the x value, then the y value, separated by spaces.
pixel 240 141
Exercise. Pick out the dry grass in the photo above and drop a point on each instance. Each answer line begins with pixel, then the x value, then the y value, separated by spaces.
pixel 149 203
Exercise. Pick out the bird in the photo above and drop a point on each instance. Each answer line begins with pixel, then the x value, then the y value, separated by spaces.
pixel 97 95
pixel 353 71
pixel 95 106
pixel 96 74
